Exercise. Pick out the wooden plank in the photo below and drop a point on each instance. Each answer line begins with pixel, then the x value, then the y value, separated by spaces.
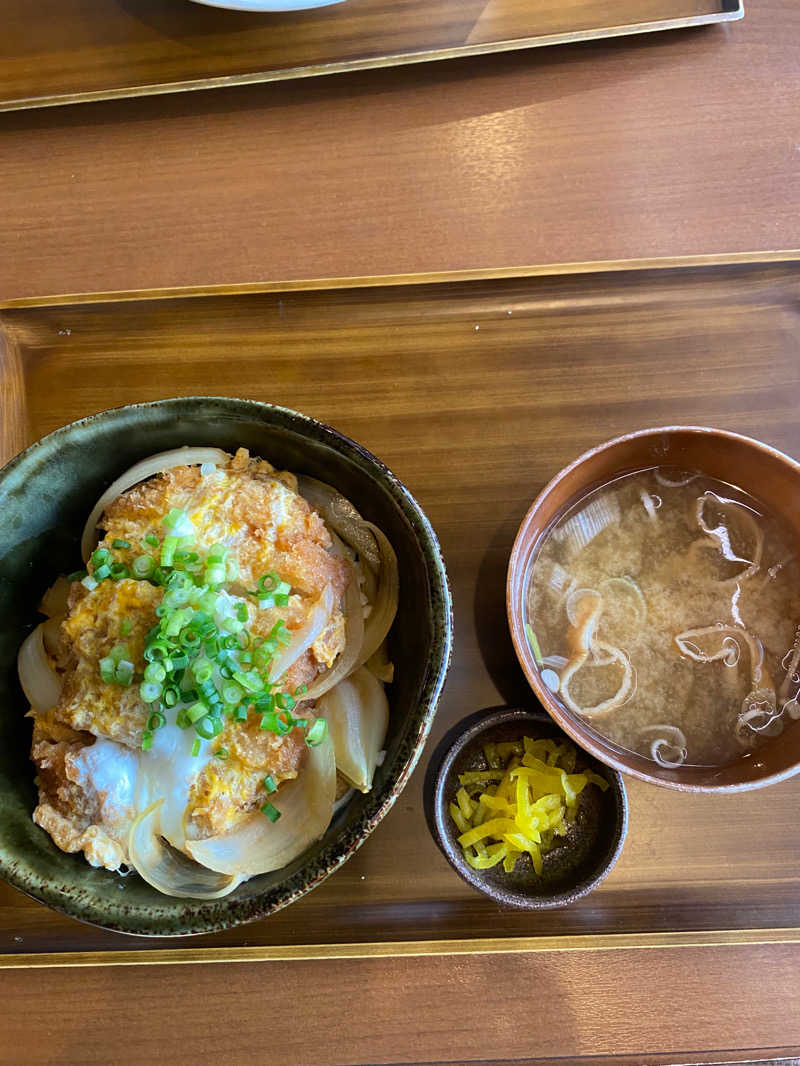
pixel 57 51
pixel 514 1008
pixel 601 152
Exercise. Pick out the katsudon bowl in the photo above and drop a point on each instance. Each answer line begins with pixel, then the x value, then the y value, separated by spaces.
pixel 46 494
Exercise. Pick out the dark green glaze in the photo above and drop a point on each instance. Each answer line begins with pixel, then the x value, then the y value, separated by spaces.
pixel 46 494
pixel 578 863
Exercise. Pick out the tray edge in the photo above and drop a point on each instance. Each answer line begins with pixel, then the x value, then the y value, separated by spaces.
pixel 371 63
pixel 436 277
pixel 404 949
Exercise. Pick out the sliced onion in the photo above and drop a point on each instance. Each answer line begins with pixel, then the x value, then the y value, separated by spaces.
pixel 384 609
pixel 555 662
pixel 51 634
pixel 381 666
pixel 677 483
pixel 671 757
pixel 340 514
pixel 354 639
pixel 574 599
pixel 302 638
pixel 631 589
pixel 54 601
pixel 357 712
pixel 154 464
pixel 258 845
pixel 649 505
pixel 40 682
pixel 168 870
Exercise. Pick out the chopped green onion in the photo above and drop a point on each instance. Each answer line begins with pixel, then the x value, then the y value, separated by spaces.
pixel 152 540
pixel 150 691
pixel 301 690
pixel 241 612
pixel 108 669
pixel 271 812
pixel 159 649
pixel 147 740
pixel 280 633
pixel 240 714
pixel 215 575
pixel 221 753
pixel 119 652
pixel 143 566
pixel 119 571
pixel 123 674
pixel 119 543
pixel 265 701
pixel 174 518
pixel 196 712
pixel 89 583
pixel 156 721
pixel 273 723
pixel 269 783
pixel 155 673
pixel 534 643
pixel 170 696
pixel 203 670
pixel 284 701
pixel 232 568
pixel 125 627
pixel 217 553
pixel 102 572
pixel 268 582
pixel 168 548
pixel 100 556
pixel 196 747
pixel 231 692
pixel 317 733
pixel 208 727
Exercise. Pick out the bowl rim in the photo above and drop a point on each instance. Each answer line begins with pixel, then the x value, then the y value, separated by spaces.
pixel 520 556
pixel 205 917
pixel 489 719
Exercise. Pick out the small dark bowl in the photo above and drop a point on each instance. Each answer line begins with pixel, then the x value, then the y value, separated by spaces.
pixel 574 866
pixel 46 493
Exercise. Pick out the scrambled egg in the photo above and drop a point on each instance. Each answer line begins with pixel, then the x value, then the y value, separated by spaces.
pixel 87 801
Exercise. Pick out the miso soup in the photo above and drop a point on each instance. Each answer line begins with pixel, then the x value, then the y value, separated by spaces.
pixel 663 610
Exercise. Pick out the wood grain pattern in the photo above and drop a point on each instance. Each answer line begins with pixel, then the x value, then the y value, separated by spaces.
pixel 475 395
pixel 57 50
pixel 411 1010
pixel 651 146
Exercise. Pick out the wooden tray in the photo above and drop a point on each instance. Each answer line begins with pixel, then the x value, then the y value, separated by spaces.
pixel 64 51
pixel 475 394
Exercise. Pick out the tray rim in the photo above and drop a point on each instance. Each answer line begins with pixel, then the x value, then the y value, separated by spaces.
pixel 522 945
pixel 375 281
pixel 731 11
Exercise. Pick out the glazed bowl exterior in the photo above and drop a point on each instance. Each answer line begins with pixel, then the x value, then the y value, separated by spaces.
pixel 760 470
pixel 46 493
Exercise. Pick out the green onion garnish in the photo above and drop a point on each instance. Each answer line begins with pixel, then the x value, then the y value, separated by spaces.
pixel 301 690
pixel 102 572
pixel 108 669
pixel 269 783
pixel 150 691
pixel 125 627
pixel 317 733
pixel 156 721
pixel 100 556
pixel 123 674
pixel 196 712
pixel 168 548
pixel 221 753
pixel 534 643
pixel 208 727
pixel 147 740
pixel 152 540
pixel 155 673
pixel 120 544
pixel 271 812
pixel 143 566
pixel 196 747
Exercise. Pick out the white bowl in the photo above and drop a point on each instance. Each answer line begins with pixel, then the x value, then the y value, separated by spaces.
pixel 267 5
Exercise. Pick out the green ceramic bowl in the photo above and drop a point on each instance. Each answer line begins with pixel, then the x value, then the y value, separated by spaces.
pixel 46 493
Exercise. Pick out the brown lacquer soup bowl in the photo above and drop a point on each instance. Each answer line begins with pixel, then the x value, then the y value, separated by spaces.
pixel 759 470
pixel 46 494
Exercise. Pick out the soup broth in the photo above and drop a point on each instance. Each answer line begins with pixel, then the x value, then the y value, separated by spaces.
pixel 663 609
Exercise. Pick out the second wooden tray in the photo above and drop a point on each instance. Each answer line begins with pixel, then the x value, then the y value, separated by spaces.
pixel 475 394
pixel 64 51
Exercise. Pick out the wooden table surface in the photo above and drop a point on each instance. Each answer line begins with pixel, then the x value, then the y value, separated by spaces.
pixel 684 144
pixel 675 144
